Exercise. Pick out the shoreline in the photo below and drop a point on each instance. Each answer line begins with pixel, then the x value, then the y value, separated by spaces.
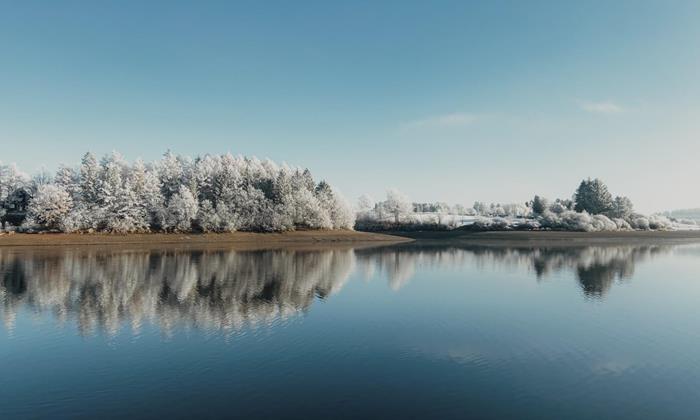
pixel 305 238
pixel 556 238
pixel 245 239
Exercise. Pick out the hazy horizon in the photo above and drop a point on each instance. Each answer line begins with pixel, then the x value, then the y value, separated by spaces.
pixel 446 101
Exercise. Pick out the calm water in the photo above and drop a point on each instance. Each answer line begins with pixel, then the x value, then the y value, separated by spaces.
pixel 406 331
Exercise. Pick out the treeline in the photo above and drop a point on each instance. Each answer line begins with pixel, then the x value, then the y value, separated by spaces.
pixel 212 193
pixel 591 208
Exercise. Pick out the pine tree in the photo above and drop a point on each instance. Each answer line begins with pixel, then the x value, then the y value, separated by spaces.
pixel 539 205
pixel 182 210
pixel 622 208
pixel 593 197
pixel 89 179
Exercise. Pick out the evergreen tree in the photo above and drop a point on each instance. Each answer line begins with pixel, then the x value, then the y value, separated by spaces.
pixel 622 208
pixel 182 210
pixel 89 179
pixel 593 197
pixel 539 205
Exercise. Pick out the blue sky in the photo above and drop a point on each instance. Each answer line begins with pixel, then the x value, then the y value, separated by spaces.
pixel 453 101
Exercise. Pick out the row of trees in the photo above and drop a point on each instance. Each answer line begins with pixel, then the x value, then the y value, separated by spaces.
pixel 213 193
pixel 592 208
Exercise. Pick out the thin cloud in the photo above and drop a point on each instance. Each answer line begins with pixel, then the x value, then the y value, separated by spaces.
pixel 457 119
pixel 607 108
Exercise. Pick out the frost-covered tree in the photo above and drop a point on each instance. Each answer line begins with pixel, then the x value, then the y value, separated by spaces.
pixel 481 208
pixel 89 179
pixel 208 219
pixel 593 197
pixel 69 179
pixel 397 205
pixel 171 173
pixel 335 206
pixel 11 179
pixel 148 197
pixel 43 177
pixel 539 205
pixel 622 208
pixel 49 207
pixel 365 206
pixel 182 210
pixel 217 193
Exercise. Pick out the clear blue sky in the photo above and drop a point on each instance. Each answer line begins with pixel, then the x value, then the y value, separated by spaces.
pixel 453 101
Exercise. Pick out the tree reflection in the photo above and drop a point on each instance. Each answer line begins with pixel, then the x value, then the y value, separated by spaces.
pixel 596 268
pixel 215 290
pixel 102 290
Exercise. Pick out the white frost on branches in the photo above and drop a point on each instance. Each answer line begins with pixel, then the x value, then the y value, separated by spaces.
pixel 213 193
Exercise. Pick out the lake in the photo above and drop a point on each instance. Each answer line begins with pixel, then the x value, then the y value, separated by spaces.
pixel 406 331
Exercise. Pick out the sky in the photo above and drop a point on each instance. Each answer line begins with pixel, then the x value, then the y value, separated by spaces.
pixel 452 101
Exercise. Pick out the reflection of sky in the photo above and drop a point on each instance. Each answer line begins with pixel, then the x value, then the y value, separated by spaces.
pixel 459 335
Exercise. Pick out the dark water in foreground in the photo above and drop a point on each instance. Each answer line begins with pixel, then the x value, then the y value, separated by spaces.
pixel 406 331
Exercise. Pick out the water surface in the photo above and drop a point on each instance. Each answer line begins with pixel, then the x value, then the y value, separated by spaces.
pixel 407 330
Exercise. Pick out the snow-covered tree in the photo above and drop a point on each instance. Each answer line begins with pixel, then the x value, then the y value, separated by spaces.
pixel 182 210
pixel 622 208
pixel 148 197
pixel 69 179
pixel 365 207
pixel 171 174
pixel 539 205
pixel 397 205
pixel 207 218
pixel 11 179
pixel 89 179
pixel 50 206
pixel 481 208
pixel 593 197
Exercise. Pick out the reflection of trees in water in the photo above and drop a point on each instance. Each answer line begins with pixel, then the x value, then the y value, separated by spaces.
pixel 227 290
pixel 596 267
pixel 399 263
pixel 219 290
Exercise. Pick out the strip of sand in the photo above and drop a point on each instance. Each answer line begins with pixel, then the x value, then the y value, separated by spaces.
pixel 244 239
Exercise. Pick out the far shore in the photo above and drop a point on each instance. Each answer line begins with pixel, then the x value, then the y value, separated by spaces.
pixel 540 238
pixel 235 239
pixel 322 238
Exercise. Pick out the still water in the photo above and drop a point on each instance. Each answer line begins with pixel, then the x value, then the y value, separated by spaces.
pixel 400 331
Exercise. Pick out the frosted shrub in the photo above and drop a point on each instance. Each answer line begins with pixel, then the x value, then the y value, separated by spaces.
pixel 49 207
pixel 640 223
pixel 659 222
pixel 622 224
pixel 602 223
pixel 572 220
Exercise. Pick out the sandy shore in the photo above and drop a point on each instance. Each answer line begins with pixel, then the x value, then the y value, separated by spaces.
pixel 237 239
pixel 322 238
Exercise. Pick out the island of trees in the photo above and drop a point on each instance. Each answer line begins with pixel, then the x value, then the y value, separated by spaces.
pixel 226 193
pixel 223 193
pixel 591 208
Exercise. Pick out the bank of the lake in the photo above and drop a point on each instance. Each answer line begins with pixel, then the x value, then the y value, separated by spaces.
pixel 559 238
pixel 305 237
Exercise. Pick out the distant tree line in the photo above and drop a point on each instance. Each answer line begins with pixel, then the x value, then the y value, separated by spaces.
pixel 212 193
pixel 591 208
